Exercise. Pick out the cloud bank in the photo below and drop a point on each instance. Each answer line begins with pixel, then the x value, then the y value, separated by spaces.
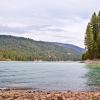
pixel 47 20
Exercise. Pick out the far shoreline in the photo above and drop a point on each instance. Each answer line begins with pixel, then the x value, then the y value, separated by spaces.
pixel 43 61
pixel 95 61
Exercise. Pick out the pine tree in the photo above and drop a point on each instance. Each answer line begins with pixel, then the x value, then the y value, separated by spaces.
pixel 89 40
pixel 99 13
pixel 93 19
pixel 98 44
pixel 92 38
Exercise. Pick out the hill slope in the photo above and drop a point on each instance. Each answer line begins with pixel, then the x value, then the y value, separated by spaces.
pixel 71 46
pixel 19 48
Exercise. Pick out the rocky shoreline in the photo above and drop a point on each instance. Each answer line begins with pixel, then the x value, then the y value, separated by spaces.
pixel 91 61
pixel 8 94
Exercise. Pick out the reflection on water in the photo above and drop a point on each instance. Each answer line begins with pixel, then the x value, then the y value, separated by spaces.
pixel 50 76
pixel 93 77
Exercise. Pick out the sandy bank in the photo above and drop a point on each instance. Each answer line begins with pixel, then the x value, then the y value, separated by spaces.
pixel 39 95
pixel 92 61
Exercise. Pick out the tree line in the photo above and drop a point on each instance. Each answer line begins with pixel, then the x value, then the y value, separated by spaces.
pixel 92 38
pixel 23 49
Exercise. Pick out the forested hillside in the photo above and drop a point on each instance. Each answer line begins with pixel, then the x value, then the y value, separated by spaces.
pixel 24 49
pixel 92 38
pixel 71 46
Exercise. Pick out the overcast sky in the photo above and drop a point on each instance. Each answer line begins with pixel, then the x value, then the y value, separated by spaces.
pixel 47 20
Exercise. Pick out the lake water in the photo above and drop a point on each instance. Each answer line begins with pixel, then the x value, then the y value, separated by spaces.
pixel 50 76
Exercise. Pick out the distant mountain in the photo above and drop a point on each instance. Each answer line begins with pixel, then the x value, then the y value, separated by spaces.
pixel 20 48
pixel 71 46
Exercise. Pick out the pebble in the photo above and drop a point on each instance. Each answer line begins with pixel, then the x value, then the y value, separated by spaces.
pixel 30 95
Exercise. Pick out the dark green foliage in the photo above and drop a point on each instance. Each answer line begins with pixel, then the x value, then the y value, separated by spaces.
pixel 92 38
pixel 23 49
pixel 86 56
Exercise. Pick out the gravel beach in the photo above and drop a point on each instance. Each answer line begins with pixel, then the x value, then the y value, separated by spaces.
pixel 40 95
pixel 92 61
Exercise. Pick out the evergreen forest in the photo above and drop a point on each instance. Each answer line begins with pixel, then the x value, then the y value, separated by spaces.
pixel 25 49
pixel 92 38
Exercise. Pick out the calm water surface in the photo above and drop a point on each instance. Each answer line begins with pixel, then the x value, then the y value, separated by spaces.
pixel 59 76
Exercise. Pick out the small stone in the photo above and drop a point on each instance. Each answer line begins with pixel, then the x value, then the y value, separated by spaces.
pixel 7 89
pixel 59 98
pixel 1 98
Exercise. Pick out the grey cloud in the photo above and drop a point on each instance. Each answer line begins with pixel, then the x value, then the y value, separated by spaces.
pixel 37 27
pixel 28 29
pixel 45 28
pixel 56 30
pixel 46 16
pixel 6 29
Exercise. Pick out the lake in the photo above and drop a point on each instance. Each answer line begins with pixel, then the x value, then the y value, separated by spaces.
pixel 58 76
